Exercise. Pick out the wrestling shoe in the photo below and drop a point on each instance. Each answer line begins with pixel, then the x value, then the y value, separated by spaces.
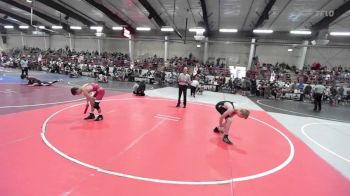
pixel 99 117
pixel 226 140
pixel 91 116
pixel 216 130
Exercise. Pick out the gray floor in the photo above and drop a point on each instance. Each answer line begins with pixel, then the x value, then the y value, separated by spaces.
pixel 329 139
pixel 335 113
pixel 208 97
pixel 111 85
pixel 67 81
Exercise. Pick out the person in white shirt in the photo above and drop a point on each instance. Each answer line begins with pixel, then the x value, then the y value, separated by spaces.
pixel 40 57
pixel 194 85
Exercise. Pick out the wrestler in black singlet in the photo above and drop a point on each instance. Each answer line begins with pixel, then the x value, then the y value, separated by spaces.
pixel 220 107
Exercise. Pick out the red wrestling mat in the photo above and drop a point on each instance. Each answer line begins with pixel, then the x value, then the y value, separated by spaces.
pixel 147 146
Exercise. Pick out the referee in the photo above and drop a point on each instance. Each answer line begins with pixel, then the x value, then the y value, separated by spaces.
pixel 24 67
pixel 318 92
pixel 183 80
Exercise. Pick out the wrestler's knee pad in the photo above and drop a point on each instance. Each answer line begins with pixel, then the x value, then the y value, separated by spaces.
pixel 97 105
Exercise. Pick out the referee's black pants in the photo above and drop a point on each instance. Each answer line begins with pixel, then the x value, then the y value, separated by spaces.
pixel 182 89
pixel 318 101
pixel 25 71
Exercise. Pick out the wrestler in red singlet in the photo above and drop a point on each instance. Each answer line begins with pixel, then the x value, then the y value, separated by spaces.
pixel 94 94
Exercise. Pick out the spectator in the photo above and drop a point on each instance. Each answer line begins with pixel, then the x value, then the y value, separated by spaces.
pixel 139 88
pixel 307 91
pixel 194 85
pixel 341 93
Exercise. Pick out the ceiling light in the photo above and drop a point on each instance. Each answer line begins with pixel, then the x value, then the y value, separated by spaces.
pixel 56 27
pixel 98 34
pixel 198 46
pixel 167 29
pixel 340 33
pixel 8 27
pixel 301 32
pixel 199 30
pixel 24 27
pixel 38 33
pixel 262 31
pixel 290 50
pixel 29 1
pixel 143 28
pixel 75 27
pixel 41 27
pixel 228 30
pixel 97 28
pixel 117 28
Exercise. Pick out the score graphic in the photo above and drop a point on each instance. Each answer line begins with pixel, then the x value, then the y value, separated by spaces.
pixel 126 33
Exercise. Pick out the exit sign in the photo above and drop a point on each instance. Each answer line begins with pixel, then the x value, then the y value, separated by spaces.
pixel 126 33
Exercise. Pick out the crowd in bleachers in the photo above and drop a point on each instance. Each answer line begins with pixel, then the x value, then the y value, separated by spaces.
pixel 266 80
pixel 281 81
pixel 115 66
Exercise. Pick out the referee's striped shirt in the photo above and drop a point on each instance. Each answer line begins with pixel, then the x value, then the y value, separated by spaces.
pixel 184 79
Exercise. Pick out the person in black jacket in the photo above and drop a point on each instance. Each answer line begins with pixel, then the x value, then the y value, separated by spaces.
pixel 139 88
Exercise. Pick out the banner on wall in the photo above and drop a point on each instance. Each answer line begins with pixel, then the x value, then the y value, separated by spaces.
pixel 238 71
pixel 273 76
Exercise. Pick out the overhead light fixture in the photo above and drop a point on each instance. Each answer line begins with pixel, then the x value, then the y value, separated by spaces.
pixel 167 29
pixel 38 33
pixel 29 1
pixel 290 50
pixel 198 45
pixel 8 26
pixel 228 30
pixel 24 27
pixel 262 31
pixel 143 28
pixel 197 30
pixel 75 27
pixel 300 32
pixel 97 28
pixel 98 34
pixel 41 27
pixel 56 27
pixel 340 33
pixel 117 28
